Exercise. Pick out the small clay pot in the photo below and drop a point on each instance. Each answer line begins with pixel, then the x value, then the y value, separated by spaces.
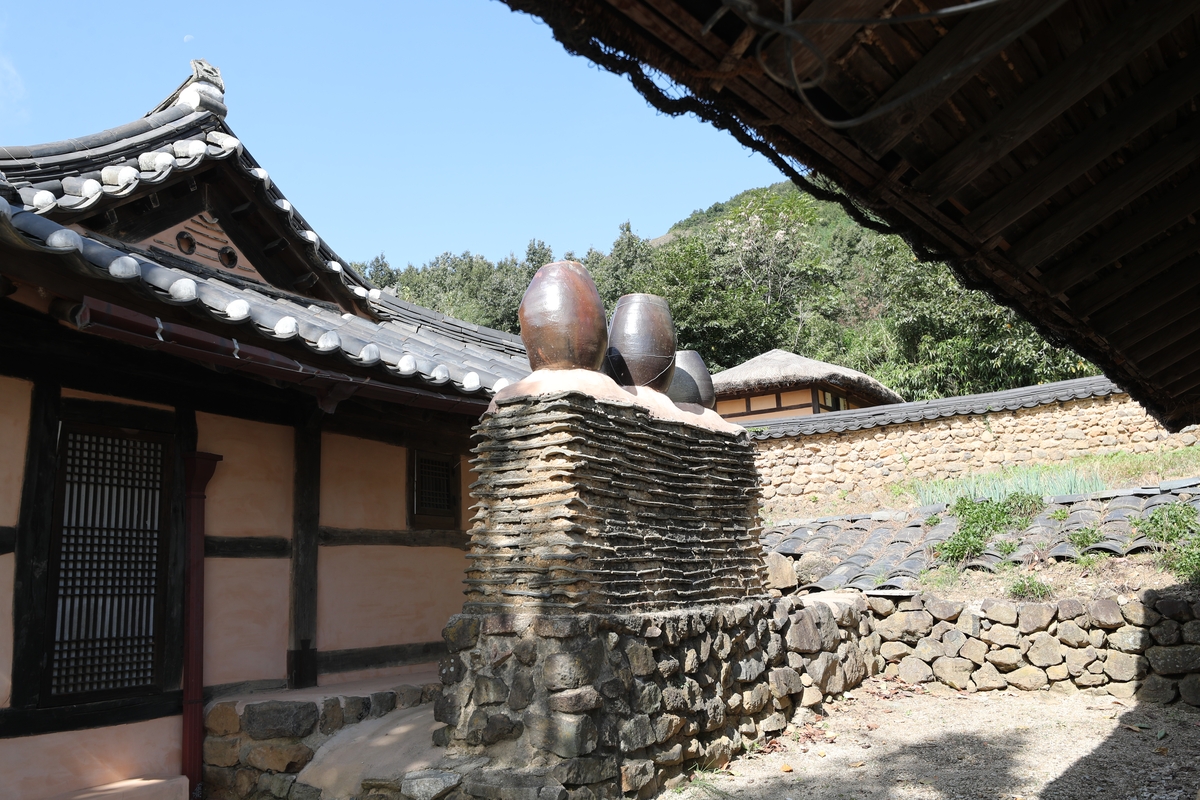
pixel 641 342
pixel 562 319
pixel 692 382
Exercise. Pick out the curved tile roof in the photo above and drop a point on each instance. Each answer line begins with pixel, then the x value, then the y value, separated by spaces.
pixel 877 416
pixel 889 549
pixel 61 180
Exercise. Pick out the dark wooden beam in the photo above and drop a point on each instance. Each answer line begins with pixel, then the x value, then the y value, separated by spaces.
pixel 1166 210
pixel 828 38
pixel 1141 325
pixel 1136 271
pixel 981 30
pixel 8 539
pixel 34 527
pixel 247 547
pixel 342 537
pixel 306 522
pixel 1085 69
pixel 1135 315
pixel 1159 366
pixel 1076 156
pixel 394 655
pixel 16 722
pixel 1162 160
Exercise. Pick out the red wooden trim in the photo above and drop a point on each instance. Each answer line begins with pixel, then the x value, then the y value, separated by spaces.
pixel 198 469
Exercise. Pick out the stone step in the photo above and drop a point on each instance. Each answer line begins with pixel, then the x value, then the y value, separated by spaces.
pixel 148 788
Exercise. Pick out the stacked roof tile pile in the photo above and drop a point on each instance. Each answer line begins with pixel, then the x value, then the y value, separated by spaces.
pixel 596 506
pixel 889 549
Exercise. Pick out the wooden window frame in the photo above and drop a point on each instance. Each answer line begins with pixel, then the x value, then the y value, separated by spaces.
pixel 423 518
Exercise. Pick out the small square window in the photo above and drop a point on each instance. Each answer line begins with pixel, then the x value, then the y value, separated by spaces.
pixel 434 492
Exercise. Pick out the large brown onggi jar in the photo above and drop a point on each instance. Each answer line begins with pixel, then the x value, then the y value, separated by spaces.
pixel 692 382
pixel 562 319
pixel 641 342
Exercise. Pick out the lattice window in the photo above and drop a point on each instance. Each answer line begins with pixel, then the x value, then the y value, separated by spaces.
pixel 434 485
pixel 108 565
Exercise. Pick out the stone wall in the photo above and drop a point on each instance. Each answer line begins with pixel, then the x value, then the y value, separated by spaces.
pixel 869 461
pixel 597 706
pixel 1145 647
pixel 256 748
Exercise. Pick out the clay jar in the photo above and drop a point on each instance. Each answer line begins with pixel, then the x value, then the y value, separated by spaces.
pixel 641 342
pixel 562 319
pixel 692 382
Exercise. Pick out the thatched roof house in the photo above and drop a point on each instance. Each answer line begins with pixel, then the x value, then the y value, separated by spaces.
pixel 783 384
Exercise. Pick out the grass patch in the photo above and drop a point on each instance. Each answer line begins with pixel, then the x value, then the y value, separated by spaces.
pixel 939 577
pixel 981 520
pixel 1174 527
pixel 1090 560
pixel 1006 547
pixel 1083 538
pixel 1028 587
pixel 1075 476
pixel 1059 515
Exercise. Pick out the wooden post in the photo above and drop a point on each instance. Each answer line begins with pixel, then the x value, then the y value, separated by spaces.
pixel 302 637
pixel 198 469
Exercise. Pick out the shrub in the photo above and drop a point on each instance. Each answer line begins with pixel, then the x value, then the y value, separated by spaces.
pixel 1174 526
pixel 1028 587
pixel 980 520
pixel 1083 538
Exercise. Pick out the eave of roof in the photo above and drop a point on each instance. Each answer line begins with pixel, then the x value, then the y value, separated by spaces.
pixel 61 181
pixel 878 416
pixel 1060 174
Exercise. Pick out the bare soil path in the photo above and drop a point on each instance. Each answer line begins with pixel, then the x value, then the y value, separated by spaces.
pixel 889 741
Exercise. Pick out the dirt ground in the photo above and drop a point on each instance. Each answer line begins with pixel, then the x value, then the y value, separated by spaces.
pixel 887 740
pixel 1107 577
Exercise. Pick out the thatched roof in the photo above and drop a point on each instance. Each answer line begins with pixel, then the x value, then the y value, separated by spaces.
pixel 780 370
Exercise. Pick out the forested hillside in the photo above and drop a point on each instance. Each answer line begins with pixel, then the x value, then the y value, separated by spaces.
pixel 772 268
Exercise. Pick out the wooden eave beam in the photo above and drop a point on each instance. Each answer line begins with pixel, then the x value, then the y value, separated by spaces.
pixel 981 30
pixel 1168 209
pixel 1136 271
pixel 1162 160
pixel 1076 156
pixel 827 38
pixel 1069 82
pixel 1145 312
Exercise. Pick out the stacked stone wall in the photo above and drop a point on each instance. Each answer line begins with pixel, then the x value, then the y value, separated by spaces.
pixel 1145 647
pixel 870 461
pixel 603 706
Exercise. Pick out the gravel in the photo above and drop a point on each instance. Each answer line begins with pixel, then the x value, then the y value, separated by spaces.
pixel 886 740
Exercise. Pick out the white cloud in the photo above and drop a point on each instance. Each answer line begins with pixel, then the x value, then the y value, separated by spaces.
pixel 188 38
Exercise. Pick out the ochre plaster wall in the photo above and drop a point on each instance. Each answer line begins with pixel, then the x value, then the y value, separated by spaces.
pixel 245 619
pixel 8 565
pixel 251 492
pixel 864 463
pixel 37 767
pixel 363 484
pixel 15 396
pixel 369 596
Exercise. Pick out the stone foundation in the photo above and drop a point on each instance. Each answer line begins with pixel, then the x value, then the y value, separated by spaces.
pixel 255 748
pixel 609 705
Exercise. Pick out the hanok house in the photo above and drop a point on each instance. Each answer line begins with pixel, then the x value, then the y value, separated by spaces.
pixel 164 306
pixel 781 384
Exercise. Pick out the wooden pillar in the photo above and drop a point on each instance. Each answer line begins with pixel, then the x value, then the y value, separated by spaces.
pixel 302 651
pixel 198 470
pixel 32 545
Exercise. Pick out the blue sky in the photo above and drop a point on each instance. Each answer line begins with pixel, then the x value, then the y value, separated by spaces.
pixel 411 127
